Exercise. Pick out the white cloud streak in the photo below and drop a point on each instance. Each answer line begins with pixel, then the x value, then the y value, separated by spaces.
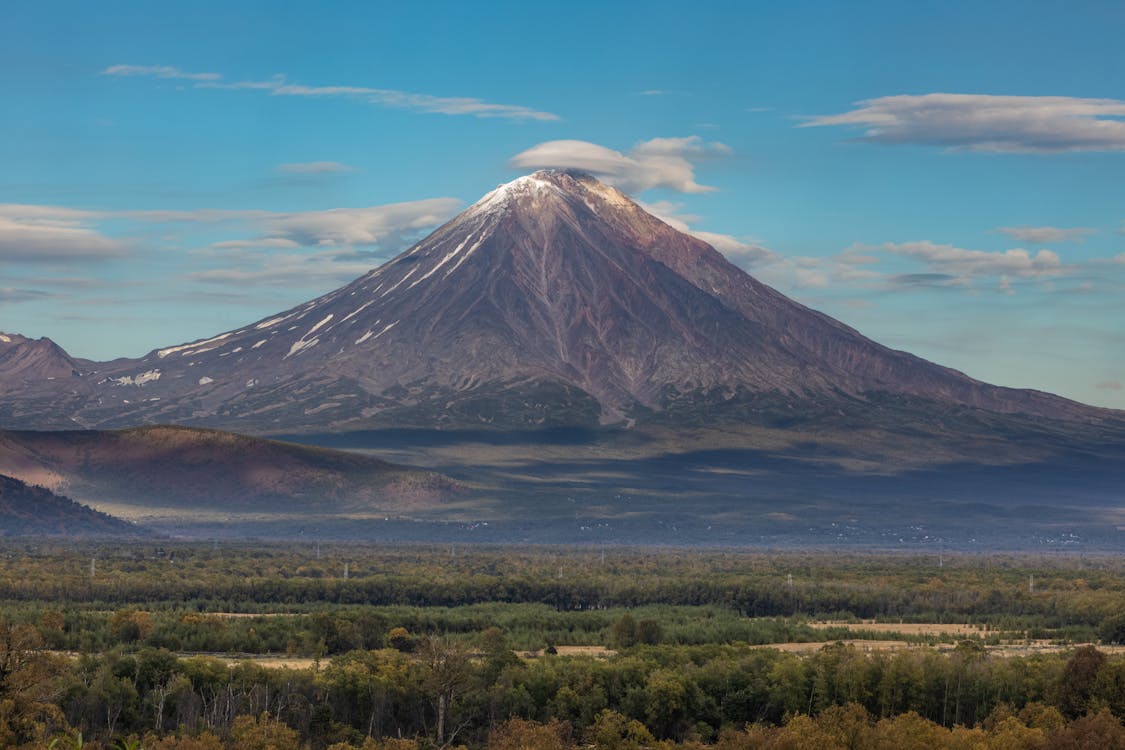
pixel 158 71
pixel 12 295
pixel 968 264
pixel 660 162
pixel 280 86
pixel 52 234
pixel 977 122
pixel 297 270
pixel 360 226
pixel 32 232
pixel 1047 235
pixel 314 168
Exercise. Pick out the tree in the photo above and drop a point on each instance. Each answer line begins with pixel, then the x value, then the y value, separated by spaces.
pixel 1093 732
pixel 649 632
pixel 448 675
pixel 1112 629
pixel 614 731
pixel 401 640
pixel 625 631
pixel 1077 679
pixel 520 734
pixel 27 711
pixel 263 733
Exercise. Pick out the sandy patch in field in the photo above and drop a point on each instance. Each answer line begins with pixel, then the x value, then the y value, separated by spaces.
pixel 861 645
pixel 906 628
pixel 598 652
pixel 274 662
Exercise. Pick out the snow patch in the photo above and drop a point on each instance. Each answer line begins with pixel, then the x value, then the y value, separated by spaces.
pixel 464 257
pixel 364 337
pixel 387 328
pixel 300 346
pixel 259 343
pixel 193 346
pixel 205 380
pixel 448 257
pixel 400 281
pixel 273 321
pixel 318 326
pixel 357 311
pixel 139 379
pixel 5 339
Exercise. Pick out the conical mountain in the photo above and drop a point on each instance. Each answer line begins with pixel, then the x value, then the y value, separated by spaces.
pixel 555 299
pixel 25 361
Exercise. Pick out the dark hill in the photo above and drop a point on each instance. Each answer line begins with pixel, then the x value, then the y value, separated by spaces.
pixel 27 510
pixel 161 470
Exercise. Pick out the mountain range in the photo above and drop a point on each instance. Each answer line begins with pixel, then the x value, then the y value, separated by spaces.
pixel 556 340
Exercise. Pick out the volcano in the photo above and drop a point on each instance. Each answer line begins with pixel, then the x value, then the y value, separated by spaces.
pixel 554 300
pixel 582 371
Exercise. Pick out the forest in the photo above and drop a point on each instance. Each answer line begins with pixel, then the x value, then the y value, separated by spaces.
pixel 307 646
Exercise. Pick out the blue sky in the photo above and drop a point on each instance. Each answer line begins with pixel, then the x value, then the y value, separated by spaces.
pixel 946 179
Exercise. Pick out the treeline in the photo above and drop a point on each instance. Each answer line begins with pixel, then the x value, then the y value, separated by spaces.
pixel 329 631
pixel 1009 593
pixel 440 692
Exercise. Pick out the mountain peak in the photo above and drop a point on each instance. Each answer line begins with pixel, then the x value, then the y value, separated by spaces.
pixel 539 188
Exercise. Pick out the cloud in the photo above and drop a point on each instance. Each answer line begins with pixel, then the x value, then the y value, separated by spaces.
pixel 1047 235
pixel 975 122
pixel 967 264
pixel 193 216
pixel 30 233
pixel 1119 258
pixel 930 280
pixel 738 251
pixel 314 168
pixel 743 252
pixel 158 71
pixel 300 270
pixel 280 86
pixel 359 226
pixel 259 242
pixel 50 234
pixel 10 295
pixel 660 162
pixel 1110 385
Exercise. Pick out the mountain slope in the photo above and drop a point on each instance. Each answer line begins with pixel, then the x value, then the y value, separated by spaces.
pixel 554 300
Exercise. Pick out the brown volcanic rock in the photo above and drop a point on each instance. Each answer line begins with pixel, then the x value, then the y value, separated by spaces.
pixel 27 362
pixel 192 469
pixel 553 300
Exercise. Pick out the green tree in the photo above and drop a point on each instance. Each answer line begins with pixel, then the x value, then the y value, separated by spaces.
pixel 625 631
pixel 614 731
pixel 263 733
